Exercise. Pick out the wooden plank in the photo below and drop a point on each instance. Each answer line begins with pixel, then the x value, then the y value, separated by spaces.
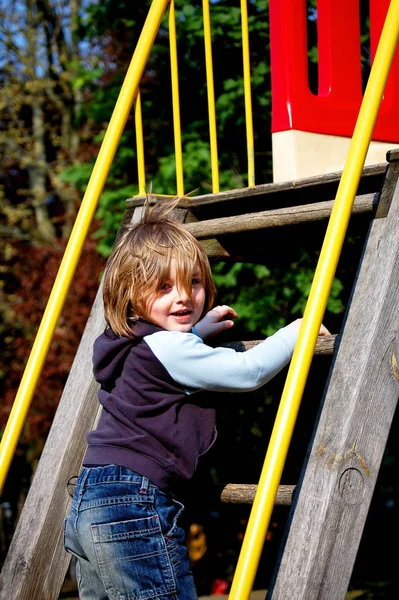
pixel 280 217
pixel 325 345
pixel 336 487
pixel 208 230
pixel 369 171
pixel 244 493
pixel 393 155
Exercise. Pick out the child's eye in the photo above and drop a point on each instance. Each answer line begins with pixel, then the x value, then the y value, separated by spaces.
pixel 196 281
pixel 165 287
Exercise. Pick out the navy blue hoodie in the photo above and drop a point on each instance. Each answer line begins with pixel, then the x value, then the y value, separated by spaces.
pixel 148 423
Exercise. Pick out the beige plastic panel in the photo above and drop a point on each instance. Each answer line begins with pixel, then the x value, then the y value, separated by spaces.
pixel 299 154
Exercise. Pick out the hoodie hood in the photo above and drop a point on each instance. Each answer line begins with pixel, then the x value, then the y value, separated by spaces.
pixel 110 351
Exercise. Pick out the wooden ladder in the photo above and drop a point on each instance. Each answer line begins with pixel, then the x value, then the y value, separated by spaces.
pixel 335 488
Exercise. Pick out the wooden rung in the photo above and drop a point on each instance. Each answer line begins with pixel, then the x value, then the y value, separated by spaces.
pixel 325 345
pixel 293 215
pixel 315 184
pixel 244 493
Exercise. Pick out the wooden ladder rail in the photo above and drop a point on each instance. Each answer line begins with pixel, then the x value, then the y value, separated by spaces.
pixel 36 562
pixel 336 485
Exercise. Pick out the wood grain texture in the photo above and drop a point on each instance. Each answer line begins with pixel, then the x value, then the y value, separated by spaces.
pixel 244 493
pixel 280 217
pixel 336 485
pixel 325 345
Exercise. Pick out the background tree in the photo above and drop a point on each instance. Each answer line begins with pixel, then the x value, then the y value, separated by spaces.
pixel 40 99
pixel 41 94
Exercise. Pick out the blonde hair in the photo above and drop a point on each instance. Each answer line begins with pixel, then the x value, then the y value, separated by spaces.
pixel 139 265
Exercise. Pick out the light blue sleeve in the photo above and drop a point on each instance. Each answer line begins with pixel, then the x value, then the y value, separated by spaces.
pixel 196 366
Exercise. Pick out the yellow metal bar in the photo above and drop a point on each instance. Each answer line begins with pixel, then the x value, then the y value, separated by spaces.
pixel 175 100
pixel 296 379
pixel 211 97
pixel 247 94
pixel 138 119
pixel 73 250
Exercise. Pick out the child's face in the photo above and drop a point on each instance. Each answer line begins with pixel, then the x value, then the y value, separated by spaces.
pixel 171 308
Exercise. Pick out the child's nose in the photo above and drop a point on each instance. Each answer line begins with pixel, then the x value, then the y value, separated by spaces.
pixel 182 295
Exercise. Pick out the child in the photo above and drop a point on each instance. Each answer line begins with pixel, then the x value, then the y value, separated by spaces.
pixel 153 365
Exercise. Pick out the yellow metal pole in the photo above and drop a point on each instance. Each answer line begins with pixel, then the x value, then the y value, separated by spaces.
pixel 138 120
pixel 175 100
pixel 296 379
pixel 247 94
pixel 211 97
pixel 73 250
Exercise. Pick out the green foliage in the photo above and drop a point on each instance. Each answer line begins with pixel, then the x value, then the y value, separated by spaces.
pixel 155 89
pixel 197 168
pixel 313 54
pixel 267 299
pixel 84 76
pixel 101 79
pixel 196 162
pixel 77 175
pixel 110 214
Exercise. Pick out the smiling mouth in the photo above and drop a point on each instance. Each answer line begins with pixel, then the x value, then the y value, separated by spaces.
pixel 181 313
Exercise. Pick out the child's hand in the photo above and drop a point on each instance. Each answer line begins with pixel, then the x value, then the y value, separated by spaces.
pixel 323 330
pixel 215 321
pixel 297 324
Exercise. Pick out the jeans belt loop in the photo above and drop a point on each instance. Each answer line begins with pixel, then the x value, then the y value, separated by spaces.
pixel 83 481
pixel 144 485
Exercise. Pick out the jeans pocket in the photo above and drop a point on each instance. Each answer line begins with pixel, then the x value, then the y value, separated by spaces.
pixel 133 558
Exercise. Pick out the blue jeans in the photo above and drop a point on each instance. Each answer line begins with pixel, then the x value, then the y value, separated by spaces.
pixel 123 531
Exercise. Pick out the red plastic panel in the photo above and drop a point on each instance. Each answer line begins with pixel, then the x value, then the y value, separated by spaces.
pixel 335 108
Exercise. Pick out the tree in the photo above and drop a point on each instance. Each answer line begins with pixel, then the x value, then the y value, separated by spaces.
pixel 42 75
pixel 41 96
